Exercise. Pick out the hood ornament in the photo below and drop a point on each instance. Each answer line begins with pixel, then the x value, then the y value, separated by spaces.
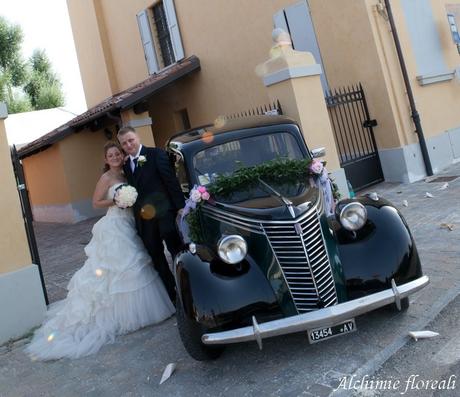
pixel 286 202
pixel 298 228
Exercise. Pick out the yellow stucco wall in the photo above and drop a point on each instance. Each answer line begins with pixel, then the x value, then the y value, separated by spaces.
pixel 46 178
pixel 437 103
pixel 94 57
pixel 351 55
pixel 84 161
pixel 229 37
pixel 66 172
pixel 14 248
pixel 360 47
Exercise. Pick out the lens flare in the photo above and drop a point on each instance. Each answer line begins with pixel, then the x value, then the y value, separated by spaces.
pixel 99 272
pixel 207 137
pixel 275 52
pixel 148 211
pixel 51 337
pixel 261 70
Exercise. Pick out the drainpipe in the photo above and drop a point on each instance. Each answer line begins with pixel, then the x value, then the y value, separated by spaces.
pixel 414 113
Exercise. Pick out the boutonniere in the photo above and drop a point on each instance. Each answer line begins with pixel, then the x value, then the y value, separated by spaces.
pixel 141 160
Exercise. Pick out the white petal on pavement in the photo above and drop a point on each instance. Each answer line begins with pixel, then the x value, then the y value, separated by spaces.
pixel 167 372
pixel 449 226
pixel 405 203
pixel 428 194
pixel 444 186
pixel 423 334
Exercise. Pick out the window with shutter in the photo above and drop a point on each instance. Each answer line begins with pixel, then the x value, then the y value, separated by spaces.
pixel 296 20
pixel 147 41
pixel 160 35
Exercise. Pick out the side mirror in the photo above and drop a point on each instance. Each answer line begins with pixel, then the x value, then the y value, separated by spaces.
pixel 318 152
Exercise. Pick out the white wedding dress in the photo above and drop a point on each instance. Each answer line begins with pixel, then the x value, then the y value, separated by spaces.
pixel 115 292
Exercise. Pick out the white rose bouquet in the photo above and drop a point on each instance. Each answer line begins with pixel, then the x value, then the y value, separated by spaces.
pixel 125 196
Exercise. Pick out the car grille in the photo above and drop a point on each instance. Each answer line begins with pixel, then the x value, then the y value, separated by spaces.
pixel 299 248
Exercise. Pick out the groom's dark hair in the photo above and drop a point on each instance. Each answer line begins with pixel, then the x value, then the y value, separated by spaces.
pixel 125 130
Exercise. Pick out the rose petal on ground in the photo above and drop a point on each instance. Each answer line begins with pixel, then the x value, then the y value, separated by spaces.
pixel 167 372
pixel 405 203
pixel 423 334
pixel 428 194
pixel 444 186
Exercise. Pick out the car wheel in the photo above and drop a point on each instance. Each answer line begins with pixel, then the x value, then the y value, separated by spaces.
pixel 190 333
pixel 404 305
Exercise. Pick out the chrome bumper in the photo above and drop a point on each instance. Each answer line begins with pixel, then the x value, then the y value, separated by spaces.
pixel 326 317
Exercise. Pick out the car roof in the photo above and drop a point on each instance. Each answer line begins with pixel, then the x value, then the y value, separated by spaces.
pixel 225 125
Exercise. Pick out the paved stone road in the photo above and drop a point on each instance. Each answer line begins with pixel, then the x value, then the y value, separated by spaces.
pixel 288 366
pixel 61 253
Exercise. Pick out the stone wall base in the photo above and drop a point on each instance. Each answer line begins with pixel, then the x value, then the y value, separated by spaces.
pixel 67 213
pixel 405 164
pixel 22 303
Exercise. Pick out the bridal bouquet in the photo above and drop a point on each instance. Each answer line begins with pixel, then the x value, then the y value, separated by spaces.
pixel 125 196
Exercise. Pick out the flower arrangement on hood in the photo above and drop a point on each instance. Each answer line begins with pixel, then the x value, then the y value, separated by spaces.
pixel 189 223
pixel 310 170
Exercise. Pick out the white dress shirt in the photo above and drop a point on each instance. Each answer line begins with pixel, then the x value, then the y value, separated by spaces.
pixel 131 158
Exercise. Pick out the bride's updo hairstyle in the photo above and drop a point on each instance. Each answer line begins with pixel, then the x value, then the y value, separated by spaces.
pixel 107 146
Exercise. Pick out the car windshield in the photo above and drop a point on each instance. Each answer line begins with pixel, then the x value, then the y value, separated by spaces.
pixel 225 158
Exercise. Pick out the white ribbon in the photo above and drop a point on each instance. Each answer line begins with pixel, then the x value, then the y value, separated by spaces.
pixel 324 183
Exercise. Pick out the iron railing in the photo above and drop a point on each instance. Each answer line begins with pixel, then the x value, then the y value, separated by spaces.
pixel 27 215
pixel 270 109
pixel 354 135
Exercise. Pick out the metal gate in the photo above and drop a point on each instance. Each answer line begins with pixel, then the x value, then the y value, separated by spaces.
pixel 354 136
pixel 27 215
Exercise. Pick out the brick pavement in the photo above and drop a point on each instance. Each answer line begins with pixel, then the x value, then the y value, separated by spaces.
pixel 61 250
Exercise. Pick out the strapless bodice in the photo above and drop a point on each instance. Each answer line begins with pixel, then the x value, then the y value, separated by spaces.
pixel 111 190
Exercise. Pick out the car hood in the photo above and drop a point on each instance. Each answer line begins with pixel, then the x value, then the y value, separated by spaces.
pixel 267 206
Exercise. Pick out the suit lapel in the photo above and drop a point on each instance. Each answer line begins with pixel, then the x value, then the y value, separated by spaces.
pixel 127 170
pixel 139 168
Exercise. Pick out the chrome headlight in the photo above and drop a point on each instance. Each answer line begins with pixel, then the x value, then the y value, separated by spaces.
pixel 232 249
pixel 353 216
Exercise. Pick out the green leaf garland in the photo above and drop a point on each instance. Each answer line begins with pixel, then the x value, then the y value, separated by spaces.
pixel 246 177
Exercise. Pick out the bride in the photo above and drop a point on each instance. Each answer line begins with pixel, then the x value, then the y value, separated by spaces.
pixel 116 291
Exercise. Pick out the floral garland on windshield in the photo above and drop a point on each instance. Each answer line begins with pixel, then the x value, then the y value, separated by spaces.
pixel 313 171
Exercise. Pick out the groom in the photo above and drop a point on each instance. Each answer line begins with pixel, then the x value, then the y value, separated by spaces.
pixel 159 200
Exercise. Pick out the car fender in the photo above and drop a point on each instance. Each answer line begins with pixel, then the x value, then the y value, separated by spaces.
pixel 216 294
pixel 382 250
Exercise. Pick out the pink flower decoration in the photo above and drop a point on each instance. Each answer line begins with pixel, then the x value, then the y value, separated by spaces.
pixel 205 196
pixel 316 167
pixel 202 189
pixel 195 196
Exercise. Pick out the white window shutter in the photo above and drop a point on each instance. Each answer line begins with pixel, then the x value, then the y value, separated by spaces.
pixel 147 41
pixel 173 29
pixel 279 21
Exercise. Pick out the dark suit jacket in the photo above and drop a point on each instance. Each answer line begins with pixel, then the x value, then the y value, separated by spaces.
pixel 156 184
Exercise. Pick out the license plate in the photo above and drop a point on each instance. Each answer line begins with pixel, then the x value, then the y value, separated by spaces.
pixel 320 334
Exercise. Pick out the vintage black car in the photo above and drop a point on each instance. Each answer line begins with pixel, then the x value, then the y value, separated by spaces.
pixel 265 259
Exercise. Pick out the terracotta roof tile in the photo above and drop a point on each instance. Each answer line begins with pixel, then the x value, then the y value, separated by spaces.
pixel 123 100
